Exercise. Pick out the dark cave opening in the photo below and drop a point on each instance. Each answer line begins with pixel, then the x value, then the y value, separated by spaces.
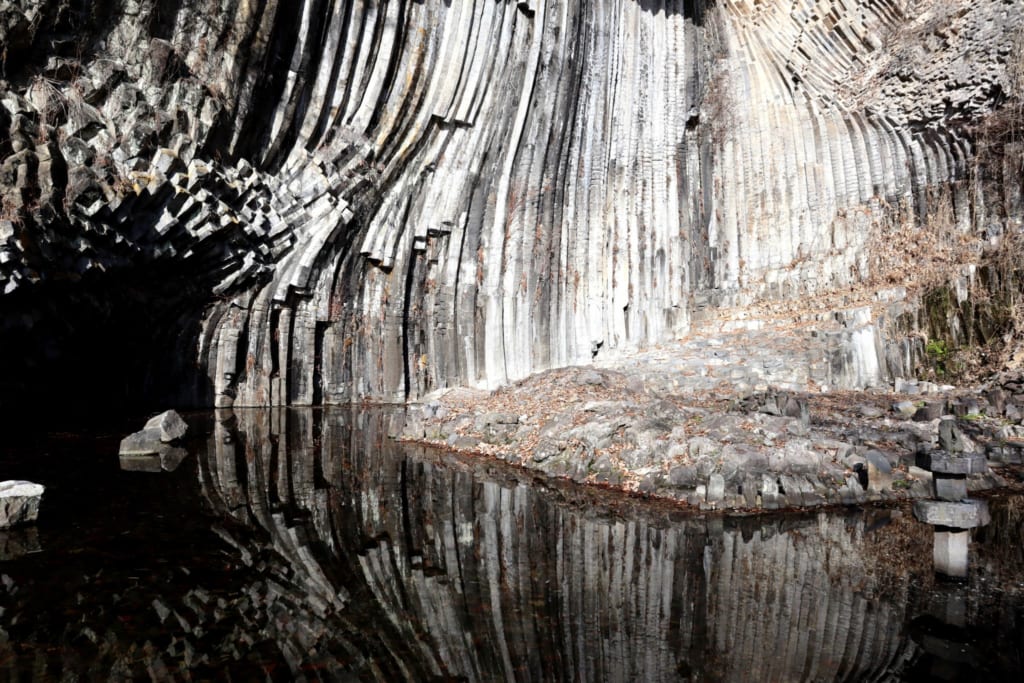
pixel 120 341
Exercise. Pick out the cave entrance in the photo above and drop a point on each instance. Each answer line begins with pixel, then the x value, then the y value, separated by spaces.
pixel 112 342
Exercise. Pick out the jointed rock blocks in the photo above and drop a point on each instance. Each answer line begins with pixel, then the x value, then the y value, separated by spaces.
pixel 389 200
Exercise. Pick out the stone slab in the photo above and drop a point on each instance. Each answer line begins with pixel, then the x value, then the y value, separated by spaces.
pixel 950 488
pixel 943 462
pixel 963 515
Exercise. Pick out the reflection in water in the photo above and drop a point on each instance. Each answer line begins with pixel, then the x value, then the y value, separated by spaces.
pixel 351 553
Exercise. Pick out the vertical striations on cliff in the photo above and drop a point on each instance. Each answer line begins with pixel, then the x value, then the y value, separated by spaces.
pixel 391 198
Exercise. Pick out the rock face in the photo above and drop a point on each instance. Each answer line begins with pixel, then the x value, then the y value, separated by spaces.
pixel 19 502
pixel 381 199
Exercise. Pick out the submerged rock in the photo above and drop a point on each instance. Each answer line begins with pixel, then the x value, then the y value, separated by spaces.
pixel 153 448
pixel 159 431
pixel 19 502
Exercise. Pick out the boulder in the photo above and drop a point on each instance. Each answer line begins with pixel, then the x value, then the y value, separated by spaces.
pixel 170 425
pixel 19 502
pixel 160 430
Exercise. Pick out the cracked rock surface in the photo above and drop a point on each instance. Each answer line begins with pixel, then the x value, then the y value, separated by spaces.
pixel 374 201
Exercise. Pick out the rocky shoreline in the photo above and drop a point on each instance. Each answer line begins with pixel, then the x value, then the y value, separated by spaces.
pixel 742 451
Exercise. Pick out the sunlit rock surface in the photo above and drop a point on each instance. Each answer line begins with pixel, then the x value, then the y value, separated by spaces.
pixel 390 198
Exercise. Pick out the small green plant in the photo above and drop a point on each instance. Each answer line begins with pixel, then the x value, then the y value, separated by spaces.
pixel 936 349
pixel 938 355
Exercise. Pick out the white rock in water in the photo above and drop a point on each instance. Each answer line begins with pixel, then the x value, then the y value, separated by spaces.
pixel 19 502
pixel 170 424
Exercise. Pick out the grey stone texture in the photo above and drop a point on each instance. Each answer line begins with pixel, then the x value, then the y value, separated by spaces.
pixel 947 463
pixel 951 552
pixel 395 204
pixel 170 424
pixel 966 514
pixel 19 502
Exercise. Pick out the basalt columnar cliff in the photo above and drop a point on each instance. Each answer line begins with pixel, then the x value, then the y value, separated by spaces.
pixel 259 202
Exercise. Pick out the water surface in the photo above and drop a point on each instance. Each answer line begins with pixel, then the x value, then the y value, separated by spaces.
pixel 305 544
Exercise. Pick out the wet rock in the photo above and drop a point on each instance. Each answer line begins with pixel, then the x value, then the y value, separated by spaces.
pixel 167 458
pixel 144 462
pixel 155 436
pixel 170 425
pixel 19 502
pixel 957 515
pixel 146 442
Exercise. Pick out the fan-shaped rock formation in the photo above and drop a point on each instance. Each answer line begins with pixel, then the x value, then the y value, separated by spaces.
pixel 383 199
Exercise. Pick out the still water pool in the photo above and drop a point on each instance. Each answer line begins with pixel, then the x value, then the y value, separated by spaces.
pixel 306 545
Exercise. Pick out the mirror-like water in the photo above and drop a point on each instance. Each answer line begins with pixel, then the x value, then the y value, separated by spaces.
pixel 305 544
